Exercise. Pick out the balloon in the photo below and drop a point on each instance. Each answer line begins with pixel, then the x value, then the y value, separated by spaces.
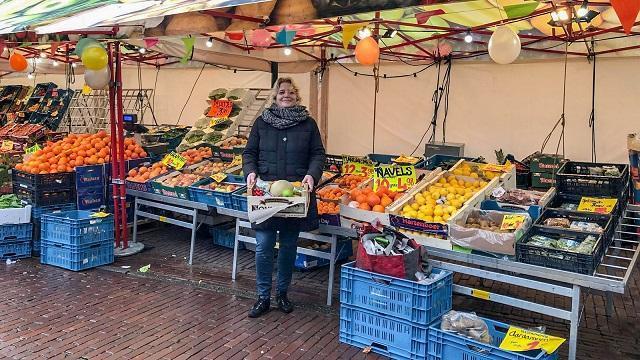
pixel 94 58
pixel 18 62
pixel 504 45
pixel 85 43
pixel 367 51
pixel 261 37
pixel 97 79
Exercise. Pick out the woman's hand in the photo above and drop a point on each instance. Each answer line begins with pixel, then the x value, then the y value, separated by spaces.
pixel 251 180
pixel 309 181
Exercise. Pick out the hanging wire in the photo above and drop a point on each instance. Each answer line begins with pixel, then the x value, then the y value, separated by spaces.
pixel 561 121
pixel 385 76
pixel 139 102
pixel 155 86
pixel 190 93
pixel 376 73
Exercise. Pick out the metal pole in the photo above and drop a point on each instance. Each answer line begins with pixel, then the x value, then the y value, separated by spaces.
pixel 120 128
pixel 574 322
pixel 114 149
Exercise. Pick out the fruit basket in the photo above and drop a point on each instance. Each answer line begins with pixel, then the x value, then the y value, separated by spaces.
pixel 210 192
pixel 174 184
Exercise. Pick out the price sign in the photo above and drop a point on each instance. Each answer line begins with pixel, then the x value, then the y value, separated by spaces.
pixel 517 339
pixel 7 145
pixel 497 168
pixel 32 149
pixel 512 222
pixel 100 214
pixel 219 177
pixel 237 160
pixel 394 177
pixel 220 109
pixel 174 160
pixel 597 205
pixel 215 121
pixel 354 165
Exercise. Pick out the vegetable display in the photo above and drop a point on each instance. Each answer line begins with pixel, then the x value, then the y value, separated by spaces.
pixel 9 201
pixel 143 173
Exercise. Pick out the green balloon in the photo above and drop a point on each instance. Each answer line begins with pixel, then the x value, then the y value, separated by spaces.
pixel 85 43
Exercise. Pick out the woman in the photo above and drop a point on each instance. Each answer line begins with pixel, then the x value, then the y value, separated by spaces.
pixel 284 144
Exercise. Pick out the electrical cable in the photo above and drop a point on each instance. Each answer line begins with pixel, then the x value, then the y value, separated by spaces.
pixel 155 86
pixel 414 74
pixel 561 121
pixel 190 93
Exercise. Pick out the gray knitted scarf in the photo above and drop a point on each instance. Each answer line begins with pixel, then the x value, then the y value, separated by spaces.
pixel 284 118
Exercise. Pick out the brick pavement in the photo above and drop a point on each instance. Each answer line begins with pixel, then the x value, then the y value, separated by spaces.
pixel 173 314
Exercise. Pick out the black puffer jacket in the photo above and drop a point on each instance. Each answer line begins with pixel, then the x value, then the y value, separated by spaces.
pixel 288 154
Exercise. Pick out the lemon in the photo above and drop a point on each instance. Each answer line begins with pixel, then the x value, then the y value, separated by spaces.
pixel 429 211
pixel 446 217
pixel 426 194
pixel 483 184
pixel 444 192
pixel 415 206
pixel 437 219
pixel 423 208
pixel 412 214
pixel 442 181
pixel 406 208
pixel 456 203
pixel 451 196
pixel 451 209
pixel 435 196
pixel 438 212
pixel 474 175
pixel 457 172
pixel 429 218
pixel 453 182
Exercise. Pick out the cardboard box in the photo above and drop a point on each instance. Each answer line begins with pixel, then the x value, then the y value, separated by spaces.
pixel 261 208
pixel 15 215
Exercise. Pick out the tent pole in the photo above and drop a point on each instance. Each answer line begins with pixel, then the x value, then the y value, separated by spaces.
pixel 114 149
pixel 274 73
pixel 121 159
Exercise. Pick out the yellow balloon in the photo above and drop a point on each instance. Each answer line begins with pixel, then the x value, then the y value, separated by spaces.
pixel 95 58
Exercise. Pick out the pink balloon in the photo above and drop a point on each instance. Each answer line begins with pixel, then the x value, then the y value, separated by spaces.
pixel 261 37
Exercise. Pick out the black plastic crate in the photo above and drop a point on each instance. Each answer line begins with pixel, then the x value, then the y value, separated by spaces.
pixel 333 163
pixel 556 258
pixel 41 182
pixel 573 178
pixel 561 202
pixel 44 197
pixel 607 222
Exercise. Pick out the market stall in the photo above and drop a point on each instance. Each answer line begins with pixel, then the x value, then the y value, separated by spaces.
pixel 544 223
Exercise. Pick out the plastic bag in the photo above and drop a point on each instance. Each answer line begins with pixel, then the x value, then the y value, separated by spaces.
pixel 466 324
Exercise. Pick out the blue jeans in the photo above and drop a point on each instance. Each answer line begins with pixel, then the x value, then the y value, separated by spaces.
pixel 265 244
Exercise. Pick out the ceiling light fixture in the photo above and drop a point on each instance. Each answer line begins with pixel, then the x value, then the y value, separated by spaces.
pixel 468 38
pixel 54 63
pixel 209 42
pixel 287 51
pixel 365 32
pixel 563 15
pixel 142 50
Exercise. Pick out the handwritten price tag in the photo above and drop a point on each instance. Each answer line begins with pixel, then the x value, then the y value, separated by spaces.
pixel 512 222
pixel 394 177
pixel 597 205
pixel 7 145
pixel 220 109
pixel 355 165
pixel 33 149
pixel 174 160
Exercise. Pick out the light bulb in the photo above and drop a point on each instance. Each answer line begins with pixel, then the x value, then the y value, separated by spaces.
pixel 582 11
pixel 468 38
pixel 562 15
pixel 209 42
pixel 142 50
pixel 287 51
pixel 554 16
pixel 74 65
pixel 54 63
pixel 365 32
pixel 30 76
pixel 43 55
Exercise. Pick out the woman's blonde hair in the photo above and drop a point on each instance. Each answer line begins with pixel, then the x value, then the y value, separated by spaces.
pixel 289 80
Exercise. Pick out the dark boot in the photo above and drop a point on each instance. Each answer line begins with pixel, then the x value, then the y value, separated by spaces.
pixel 260 308
pixel 284 304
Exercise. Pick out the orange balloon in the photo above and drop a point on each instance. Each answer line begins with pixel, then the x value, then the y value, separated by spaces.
pixel 18 62
pixel 367 51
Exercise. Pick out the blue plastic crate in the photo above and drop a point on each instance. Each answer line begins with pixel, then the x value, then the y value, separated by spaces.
pixel 37 211
pixel 91 198
pixel 308 262
pixel 90 176
pixel 225 236
pixel 210 197
pixel 15 232
pixel 446 345
pixel 15 250
pixel 77 227
pixel 403 299
pixel 386 335
pixel 238 200
pixel 76 258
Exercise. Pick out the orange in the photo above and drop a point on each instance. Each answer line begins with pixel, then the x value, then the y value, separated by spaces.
pixel 364 206
pixel 385 201
pixel 378 208
pixel 361 198
pixel 373 200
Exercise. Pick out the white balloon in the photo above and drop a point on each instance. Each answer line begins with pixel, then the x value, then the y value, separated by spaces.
pixel 504 45
pixel 97 79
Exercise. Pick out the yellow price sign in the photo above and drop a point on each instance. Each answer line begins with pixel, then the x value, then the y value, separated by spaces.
pixel 99 214
pixel 518 339
pixel 237 160
pixel 394 177
pixel 174 160
pixel 597 205
pixel 215 121
pixel 32 149
pixel 219 177
pixel 7 145
pixel 497 168
pixel 356 165
pixel 512 222
pixel 481 294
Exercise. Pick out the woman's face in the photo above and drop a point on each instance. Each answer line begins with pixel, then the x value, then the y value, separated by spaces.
pixel 286 96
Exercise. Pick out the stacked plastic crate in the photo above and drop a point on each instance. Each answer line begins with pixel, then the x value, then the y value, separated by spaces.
pixel 389 315
pixel 46 193
pixel 77 240
pixel 15 233
pixel 90 184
